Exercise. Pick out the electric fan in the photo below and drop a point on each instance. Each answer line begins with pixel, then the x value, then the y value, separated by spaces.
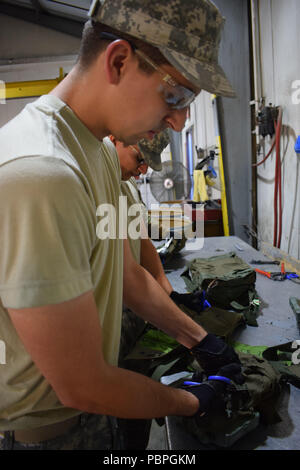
pixel 172 183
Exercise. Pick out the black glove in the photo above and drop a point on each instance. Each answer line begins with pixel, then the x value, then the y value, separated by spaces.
pixel 212 354
pixel 195 301
pixel 210 390
pixel 205 392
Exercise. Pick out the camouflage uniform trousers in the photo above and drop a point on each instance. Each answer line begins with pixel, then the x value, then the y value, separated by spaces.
pixel 132 327
pixel 135 432
pixel 93 432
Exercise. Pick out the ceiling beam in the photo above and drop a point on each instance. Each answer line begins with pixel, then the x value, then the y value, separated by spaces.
pixel 41 18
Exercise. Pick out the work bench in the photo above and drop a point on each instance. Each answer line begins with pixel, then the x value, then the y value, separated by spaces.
pixel 276 325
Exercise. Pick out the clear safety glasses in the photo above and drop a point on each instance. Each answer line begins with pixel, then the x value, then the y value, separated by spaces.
pixel 177 97
pixel 140 159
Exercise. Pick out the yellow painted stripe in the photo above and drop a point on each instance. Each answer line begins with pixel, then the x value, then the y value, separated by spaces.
pixel 223 190
pixel 222 177
pixel 12 90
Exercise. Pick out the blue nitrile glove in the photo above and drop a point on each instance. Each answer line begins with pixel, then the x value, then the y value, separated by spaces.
pixel 213 388
pixel 195 301
pixel 212 354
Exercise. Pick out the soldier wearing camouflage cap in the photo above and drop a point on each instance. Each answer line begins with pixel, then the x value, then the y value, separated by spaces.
pixel 63 284
pixel 186 33
pixel 135 159
pixel 152 149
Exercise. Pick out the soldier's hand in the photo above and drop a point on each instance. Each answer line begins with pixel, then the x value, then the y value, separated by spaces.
pixel 194 301
pixel 214 387
pixel 205 392
pixel 212 353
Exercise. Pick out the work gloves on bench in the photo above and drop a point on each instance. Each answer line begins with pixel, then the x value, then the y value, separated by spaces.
pixel 216 358
pixel 212 353
pixel 195 301
pixel 213 388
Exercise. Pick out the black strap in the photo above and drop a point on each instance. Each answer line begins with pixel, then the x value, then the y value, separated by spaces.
pixel 282 352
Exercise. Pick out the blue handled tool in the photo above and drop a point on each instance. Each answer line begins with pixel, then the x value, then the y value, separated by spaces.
pixel 188 382
pixel 221 378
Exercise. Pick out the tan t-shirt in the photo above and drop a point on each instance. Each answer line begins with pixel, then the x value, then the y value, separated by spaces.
pixel 136 221
pixel 53 176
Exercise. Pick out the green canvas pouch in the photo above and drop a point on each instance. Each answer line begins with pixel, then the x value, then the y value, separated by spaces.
pixel 228 283
pixel 154 347
pixel 281 358
pixel 218 321
pixel 241 408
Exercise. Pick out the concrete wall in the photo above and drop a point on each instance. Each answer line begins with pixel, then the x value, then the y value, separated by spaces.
pixel 235 115
pixel 31 52
pixel 280 69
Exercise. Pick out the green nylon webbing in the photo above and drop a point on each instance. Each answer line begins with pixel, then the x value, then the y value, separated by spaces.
pixel 256 350
pixel 158 340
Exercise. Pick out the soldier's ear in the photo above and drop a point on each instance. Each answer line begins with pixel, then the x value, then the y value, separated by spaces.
pixel 118 57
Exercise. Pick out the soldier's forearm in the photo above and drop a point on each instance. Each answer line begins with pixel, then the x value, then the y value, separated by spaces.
pixel 148 300
pixel 150 260
pixel 126 394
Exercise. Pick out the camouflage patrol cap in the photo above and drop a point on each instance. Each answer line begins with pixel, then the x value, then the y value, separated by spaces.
pixel 152 149
pixel 187 33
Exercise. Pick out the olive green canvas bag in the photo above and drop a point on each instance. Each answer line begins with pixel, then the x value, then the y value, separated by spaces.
pixel 242 407
pixel 228 283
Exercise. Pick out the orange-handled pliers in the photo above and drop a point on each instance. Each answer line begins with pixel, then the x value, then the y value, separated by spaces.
pixel 277 276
